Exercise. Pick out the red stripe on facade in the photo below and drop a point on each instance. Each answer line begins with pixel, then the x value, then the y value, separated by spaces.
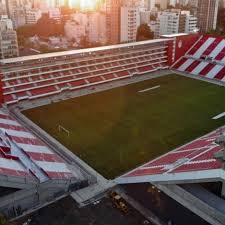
pixel 29 141
pixel 12 127
pixel 220 75
pixel 206 69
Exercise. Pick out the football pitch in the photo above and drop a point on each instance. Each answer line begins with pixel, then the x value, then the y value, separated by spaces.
pixel 116 130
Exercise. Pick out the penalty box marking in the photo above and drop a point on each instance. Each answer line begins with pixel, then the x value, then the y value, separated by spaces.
pixel 149 89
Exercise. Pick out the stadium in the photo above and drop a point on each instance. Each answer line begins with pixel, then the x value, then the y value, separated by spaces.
pixel 113 115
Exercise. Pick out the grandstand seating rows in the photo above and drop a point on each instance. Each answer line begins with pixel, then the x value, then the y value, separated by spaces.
pixel 23 155
pixel 205 59
pixel 195 156
pixel 39 80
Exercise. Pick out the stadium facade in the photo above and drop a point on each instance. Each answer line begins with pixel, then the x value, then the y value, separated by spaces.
pixel 33 172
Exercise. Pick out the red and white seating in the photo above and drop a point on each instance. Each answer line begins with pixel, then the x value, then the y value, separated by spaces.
pixel 36 79
pixel 205 59
pixel 181 163
pixel 23 155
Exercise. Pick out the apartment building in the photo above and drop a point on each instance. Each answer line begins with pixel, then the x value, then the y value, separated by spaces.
pixel 8 39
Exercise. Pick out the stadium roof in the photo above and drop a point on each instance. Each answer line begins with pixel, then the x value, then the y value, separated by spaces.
pixel 192 162
pixel 79 51
pixel 174 35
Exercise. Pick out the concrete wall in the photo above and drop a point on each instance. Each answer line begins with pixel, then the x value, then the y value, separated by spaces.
pixel 184 44
pixel 208 213
pixel 19 202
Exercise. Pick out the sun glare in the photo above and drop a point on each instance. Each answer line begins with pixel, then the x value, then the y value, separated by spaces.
pixel 88 4
pixel 84 4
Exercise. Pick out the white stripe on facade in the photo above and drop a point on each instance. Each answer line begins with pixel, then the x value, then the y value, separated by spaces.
pixel 35 148
pixel 214 71
pixel 53 166
pixel 9 122
pixel 11 164
pixel 199 68
pixel 200 51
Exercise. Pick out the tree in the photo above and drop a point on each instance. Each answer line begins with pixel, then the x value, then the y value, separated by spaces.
pixel 213 32
pixel 26 31
pixel 45 27
pixel 221 21
pixel 144 33
pixel 153 18
pixel 65 10
pixel 84 42
pixel 21 40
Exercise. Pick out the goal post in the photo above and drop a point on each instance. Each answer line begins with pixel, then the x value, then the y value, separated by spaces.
pixel 63 129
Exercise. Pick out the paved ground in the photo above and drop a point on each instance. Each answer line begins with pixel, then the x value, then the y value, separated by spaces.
pixel 161 205
pixel 66 212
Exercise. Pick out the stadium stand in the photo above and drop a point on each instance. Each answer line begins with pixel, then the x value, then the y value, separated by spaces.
pixel 30 78
pixel 192 174
pixel 205 59
pixel 33 172
pixel 23 155
pixel 182 163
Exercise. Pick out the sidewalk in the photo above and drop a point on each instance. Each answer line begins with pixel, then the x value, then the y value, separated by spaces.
pixel 91 193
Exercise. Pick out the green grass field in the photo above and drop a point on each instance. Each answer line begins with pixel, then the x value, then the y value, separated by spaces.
pixel 117 130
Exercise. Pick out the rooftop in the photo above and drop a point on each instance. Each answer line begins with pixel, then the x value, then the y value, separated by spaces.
pixel 79 51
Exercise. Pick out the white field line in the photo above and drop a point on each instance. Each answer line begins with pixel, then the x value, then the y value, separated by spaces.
pixel 149 89
pixel 219 116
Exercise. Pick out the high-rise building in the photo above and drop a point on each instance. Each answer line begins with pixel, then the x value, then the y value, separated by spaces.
pixel 54 13
pixel 8 39
pixel 113 21
pixel 183 2
pixel 193 3
pixel 173 2
pixel 207 11
pixel 32 15
pixel 10 6
pixel 145 17
pixel 96 27
pixel 2 8
pixel 190 22
pixel 175 21
pixel 167 23
pixel 130 21
pixel 19 17
pixel 151 4
pixel 162 3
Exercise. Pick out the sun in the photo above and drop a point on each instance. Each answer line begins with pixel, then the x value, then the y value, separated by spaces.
pixel 84 4
pixel 88 4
